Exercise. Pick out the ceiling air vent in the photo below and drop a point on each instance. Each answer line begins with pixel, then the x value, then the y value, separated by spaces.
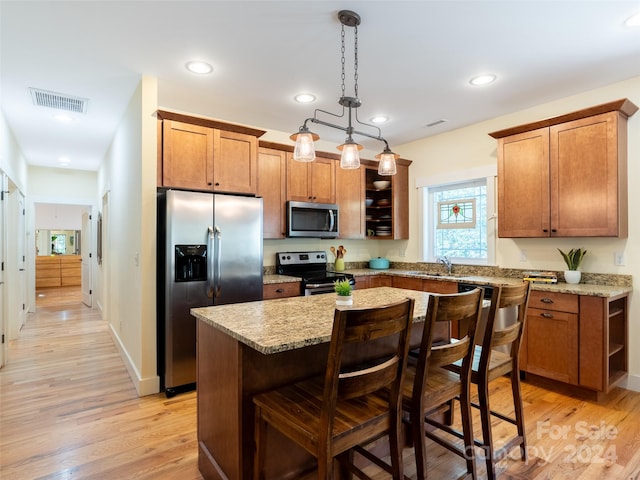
pixel 437 122
pixel 59 101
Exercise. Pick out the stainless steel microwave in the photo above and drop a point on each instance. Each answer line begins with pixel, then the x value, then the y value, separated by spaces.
pixel 314 220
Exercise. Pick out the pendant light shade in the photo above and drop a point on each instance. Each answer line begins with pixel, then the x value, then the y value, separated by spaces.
pixel 304 150
pixel 387 165
pixel 350 157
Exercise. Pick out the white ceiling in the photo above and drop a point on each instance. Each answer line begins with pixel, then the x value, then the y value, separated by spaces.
pixel 415 57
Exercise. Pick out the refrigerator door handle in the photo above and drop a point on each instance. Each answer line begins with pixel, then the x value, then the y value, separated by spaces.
pixel 210 263
pixel 217 280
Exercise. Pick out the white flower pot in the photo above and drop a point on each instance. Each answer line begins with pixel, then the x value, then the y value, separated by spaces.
pixel 344 300
pixel 572 276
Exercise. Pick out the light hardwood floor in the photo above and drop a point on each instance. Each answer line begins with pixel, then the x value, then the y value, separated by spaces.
pixel 69 410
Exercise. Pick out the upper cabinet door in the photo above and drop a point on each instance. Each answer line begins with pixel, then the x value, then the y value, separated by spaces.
pixel 235 162
pixel 272 174
pixel 588 177
pixel 523 185
pixel 187 152
pixel 311 181
pixel 350 200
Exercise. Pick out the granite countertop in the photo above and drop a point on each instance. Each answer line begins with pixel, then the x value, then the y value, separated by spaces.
pixel 588 289
pixel 273 326
pixel 276 278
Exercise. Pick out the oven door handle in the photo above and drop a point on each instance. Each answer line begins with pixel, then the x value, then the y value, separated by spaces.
pixel 318 285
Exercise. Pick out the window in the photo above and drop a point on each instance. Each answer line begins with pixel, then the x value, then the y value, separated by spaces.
pixel 458 218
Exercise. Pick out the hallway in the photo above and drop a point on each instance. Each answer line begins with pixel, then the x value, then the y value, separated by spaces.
pixel 69 409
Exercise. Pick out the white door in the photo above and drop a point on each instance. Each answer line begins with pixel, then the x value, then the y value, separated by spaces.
pixel 3 233
pixel 86 253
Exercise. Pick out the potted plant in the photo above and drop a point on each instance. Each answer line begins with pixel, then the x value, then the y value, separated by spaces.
pixel 573 259
pixel 343 292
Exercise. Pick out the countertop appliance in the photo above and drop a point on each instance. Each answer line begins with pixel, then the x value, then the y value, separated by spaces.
pixel 311 267
pixel 315 220
pixel 209 253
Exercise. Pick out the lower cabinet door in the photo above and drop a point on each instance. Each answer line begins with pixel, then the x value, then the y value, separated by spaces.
pixel 552 345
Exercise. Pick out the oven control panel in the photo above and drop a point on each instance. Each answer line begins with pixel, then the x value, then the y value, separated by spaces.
pixel 301 258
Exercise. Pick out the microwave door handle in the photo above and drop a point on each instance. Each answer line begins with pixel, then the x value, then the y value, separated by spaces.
pixel 218 273
pixel 210 263
pixel 331 220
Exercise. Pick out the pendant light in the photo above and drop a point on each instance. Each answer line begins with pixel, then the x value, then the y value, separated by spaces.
pixel 304 150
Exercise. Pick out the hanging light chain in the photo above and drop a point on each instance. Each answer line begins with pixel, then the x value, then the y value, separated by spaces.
pixel 342 59
pixel 355 61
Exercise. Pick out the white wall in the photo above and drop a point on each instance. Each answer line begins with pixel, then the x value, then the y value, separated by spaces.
pixel 128 174
pixel 472 147
pixel 12 161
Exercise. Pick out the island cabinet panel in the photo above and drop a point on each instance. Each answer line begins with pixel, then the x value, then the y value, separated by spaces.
pixel 272 176
pixel 565 177
pixel 362 281
pixel 311 181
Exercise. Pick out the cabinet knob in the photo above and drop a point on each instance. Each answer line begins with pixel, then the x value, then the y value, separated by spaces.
pixel 217 184
pixel 209 183
pixel 546 315
pixel 545 230
pixel 546 300
pixel 553 230
pixel 280 290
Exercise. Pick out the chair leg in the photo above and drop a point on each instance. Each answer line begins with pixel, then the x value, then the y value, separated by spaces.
pixel 259 438
pixel 487 437
pixel 419 443
pixel 467 430
pixel 519 412
pixel 325 465
pixel 395 447
pixel 449 417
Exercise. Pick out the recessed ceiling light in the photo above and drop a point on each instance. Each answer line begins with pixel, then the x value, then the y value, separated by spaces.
pixel 304 98
pixel 201 68
pixel 380 119
pixel 483 79
pixel 633 21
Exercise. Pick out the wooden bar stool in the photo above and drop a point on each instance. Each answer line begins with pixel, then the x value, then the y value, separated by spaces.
pixel 490 362
pixel 428 386
pixel 350 406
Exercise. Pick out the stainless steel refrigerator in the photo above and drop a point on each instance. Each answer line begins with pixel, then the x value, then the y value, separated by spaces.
pixel 209 253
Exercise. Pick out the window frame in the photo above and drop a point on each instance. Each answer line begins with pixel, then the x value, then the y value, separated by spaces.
pixel 426 227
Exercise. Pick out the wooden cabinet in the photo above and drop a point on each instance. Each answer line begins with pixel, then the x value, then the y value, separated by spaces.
pixel 272 175
pixel 58 271
pixel 424 284
pixel 576 339
pixel 350 199
pixel 362 281
pixel 202 154
pixel 565 176
pixel 387 216
pixel 603 341
pixel 380 281
pixel 311 181
pixel 550 342
pixel 280 290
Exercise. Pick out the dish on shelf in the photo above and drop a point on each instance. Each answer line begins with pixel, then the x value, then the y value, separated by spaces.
pixel 368 217
pixel 383 202
pixel 368 202
pixel 385 217
pixel 381 184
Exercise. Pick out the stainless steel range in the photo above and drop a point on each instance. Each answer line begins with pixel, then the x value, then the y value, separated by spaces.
pixel 311 267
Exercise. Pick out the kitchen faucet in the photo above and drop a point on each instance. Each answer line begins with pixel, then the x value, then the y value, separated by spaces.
pixel 447 263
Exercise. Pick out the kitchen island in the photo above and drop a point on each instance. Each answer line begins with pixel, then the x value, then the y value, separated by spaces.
pixel 251 347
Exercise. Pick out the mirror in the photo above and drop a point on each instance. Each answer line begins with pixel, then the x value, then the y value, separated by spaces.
pixel 57 242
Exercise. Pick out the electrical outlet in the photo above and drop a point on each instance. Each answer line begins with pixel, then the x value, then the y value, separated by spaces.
pixel 523 255
pixel 618 258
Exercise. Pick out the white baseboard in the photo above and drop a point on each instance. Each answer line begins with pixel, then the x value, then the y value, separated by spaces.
pixel 632 382
pixel 144 386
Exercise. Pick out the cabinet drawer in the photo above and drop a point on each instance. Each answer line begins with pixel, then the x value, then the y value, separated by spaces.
pixel 564 302
pixel 280 290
